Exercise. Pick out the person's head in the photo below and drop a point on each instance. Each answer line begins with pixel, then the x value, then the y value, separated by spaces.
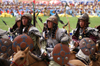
pixel 25 21
pixel 83 21
pixel 50 24
pixel 18 23
pixel 52 21
pixel 26 18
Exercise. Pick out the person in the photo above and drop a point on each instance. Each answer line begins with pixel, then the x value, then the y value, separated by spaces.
pixel 15 28
pixel 83 31
pixel 52 35
pixel 27 28
pixel 46 12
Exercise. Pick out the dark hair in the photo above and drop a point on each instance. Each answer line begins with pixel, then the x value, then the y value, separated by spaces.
pixel 78 26
pixel 54 28
pixel 86 23
pixel 14 27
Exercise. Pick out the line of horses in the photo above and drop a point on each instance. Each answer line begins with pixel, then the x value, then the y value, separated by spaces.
pixel 26 58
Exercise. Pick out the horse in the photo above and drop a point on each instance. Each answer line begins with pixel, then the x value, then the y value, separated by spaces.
pixel 76 62
pixel 95 61
pixel 26 58
pixel 4 62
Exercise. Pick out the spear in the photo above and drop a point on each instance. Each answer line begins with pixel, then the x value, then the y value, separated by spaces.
pixel 34 13
pixel 5 23
pixel 61 21
pixel 67 20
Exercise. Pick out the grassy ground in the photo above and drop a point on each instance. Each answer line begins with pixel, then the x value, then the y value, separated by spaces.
pixel 73 20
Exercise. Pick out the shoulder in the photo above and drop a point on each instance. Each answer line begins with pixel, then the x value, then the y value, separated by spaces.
pixel 2 31
pixel 3 34
pixel 91 29
pixel 33 28
pixel 61 30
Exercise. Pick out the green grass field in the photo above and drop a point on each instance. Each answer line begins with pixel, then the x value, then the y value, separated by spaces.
pixel 73 20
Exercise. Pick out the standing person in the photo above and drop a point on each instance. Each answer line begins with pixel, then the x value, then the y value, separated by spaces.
pixel 27 28
pixel 53 35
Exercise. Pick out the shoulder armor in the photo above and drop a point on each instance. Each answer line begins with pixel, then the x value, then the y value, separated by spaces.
pixel 34 30
pixel 91 29
pixel 61 30
pixel 3 34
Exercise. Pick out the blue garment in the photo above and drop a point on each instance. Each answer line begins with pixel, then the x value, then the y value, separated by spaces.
pixel 51 12
pixel 70 12
pixel 98 13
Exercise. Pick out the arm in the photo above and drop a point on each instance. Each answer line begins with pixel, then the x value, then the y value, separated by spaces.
pixel 43 45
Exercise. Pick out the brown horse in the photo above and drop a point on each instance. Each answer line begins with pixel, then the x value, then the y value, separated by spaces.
pixel 76 62
pixel 95 61
pixel 72 55
pixel 26 58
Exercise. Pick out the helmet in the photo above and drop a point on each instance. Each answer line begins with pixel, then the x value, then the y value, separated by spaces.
pixel 84 17
pixel 53 19
pixel 17 18
pixel 27 15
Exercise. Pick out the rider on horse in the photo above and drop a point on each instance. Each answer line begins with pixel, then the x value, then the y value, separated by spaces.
pixel 82 31
pixel 53 35
pixel 15 28
pixel 27 28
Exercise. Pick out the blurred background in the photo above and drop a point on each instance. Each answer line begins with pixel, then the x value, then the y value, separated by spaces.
pixel 73 8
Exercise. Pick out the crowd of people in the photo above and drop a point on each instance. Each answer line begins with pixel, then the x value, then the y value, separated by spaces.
pixel 76 8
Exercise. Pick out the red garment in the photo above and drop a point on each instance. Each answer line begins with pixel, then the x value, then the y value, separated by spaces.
pixel 7 11
pixel 1 12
